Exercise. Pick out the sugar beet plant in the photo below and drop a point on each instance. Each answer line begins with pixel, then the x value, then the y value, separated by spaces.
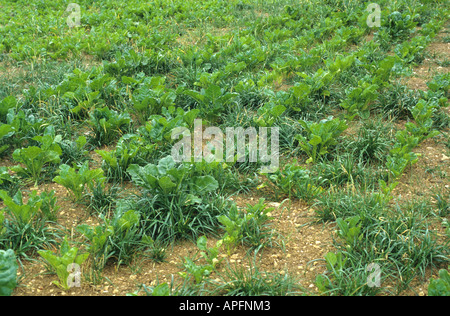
pixel 320 137
pixel 68 260
pixel 35 158
pixel 249 226
pixel 77 181
pixel 175 200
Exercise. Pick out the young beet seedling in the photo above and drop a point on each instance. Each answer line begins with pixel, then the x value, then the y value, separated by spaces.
pixel 62 264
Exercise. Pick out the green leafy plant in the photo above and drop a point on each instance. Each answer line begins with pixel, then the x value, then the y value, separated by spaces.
pixel 130 149
pixel 6 104
pixel 385 194
pixel 413 51
pixel 8 182
pixel 35 158
pixel 75 181
pixel 268 114
pixel 177 199
pixel 401 154
pixel 73 151
pixel 162 289
pixel 22 213
pixel 25 225
pixel 320 136
pixel 158 129
pixel 62 263
pixel 209 255
pixel 43 205
pixel 335 263
pixel 317 85
pixel 422 113
pixel 6 131
pixel 119 237
pixel 350 230
pixel 167 178
pixel 49 206
pixel 294 181
pixel 8 272
pixel 400 25
pixel 2 219
pixel 26 125
pixel 232 223
pixel 249 226
pixel 151 96
pixel 108 124
pixel 257 230
pixel 99 247
pixel 358 99
pixel 439 87
pixel 441 285
pixel 212 101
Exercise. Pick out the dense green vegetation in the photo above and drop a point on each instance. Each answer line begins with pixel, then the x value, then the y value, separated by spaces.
pixel 132 71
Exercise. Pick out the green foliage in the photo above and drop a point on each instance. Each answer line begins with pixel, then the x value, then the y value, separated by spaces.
pixel 26 125
pixel 209 255
pixel 422 114
pixel 294 181
pixel 35 158
pixel 317 85
pixel 320 136
pixel 108 124
pixel 413 51
pixel 247 227
pixel 233 224
pixel 212 101
pixel 8 182
pixel 151 96
pixel 76 182
pixel 158 129
pixel 401 154
pixel 73 151
pixel 342 279
pixel 161 290
pixel 6 104
pixel 384 196
pixel 359 98
pixel 253 281
pixel 268 114
pixel 49 206
pixel 23 213
pixel 372 142
pixel 440 286
pixel 439 88
pixel 177 201
pixel 168 178
pixel 129 149
pixel 8 272
pixel 119 237
pixel 350 230
pixel 25 226
pixel 400 25
pixel 62 263
pixel 6 131
pixel 257 230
